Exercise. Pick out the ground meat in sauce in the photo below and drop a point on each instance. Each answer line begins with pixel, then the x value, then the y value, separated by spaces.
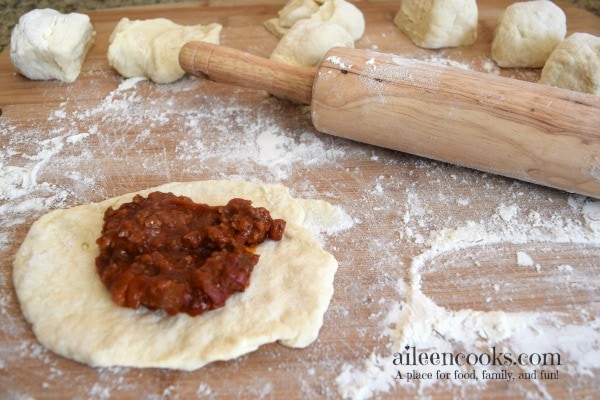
pixel 167 252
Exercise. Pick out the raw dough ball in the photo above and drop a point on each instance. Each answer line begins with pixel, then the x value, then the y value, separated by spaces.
pixel 292 12
pixel 526 34
pixel 308 41
pixel 72 312
pixel 151 47
pixel 46 44
pixel 434 24
pixel 344 14
pixel 575 64
pixel 295 10
pixel 275 28
pixel 339 12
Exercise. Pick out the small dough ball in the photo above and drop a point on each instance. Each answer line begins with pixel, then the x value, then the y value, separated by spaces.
pixel 295 10
pixel 575 64
pixel 339 12
pixel 344 14
pixel 150 48
pixel 435 24
pixel 274 27
pixel 46 44
pixel 308 41
pixel 292 12
pixel 526 34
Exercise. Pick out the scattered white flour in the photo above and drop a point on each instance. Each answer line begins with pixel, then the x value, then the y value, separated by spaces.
pixel 507 212
pixel 524 259
pixel 440 60
pixel 591 213
pixel 418 322
pixel 500 228
pixel 340 62
pixel 489 66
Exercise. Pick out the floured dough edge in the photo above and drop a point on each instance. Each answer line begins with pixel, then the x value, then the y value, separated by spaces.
pixel 72 313
pixel 150 48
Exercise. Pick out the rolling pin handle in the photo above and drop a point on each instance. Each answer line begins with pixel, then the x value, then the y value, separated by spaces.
pixel 227 65
pixel 194 58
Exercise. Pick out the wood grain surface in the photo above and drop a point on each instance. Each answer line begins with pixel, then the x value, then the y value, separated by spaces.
pixel 527 131
pixel 474 244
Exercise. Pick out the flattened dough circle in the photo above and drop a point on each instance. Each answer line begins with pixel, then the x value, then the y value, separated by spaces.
pixel 72 314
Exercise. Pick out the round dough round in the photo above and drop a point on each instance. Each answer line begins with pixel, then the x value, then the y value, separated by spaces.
pixel 575 64
pixel 150 48
pixel 308 41
pixel 72 313
pixel 435 24
pixel 526 34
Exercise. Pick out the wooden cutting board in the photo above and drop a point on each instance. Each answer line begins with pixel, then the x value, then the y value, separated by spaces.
pixel 488 254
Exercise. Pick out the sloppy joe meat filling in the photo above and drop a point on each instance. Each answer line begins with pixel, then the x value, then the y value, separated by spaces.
pixel 168 252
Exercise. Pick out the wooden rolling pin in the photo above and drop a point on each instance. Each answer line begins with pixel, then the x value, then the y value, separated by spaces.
pixel 509 127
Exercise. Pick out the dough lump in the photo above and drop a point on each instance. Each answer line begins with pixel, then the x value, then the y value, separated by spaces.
pixel 435 24
pixel 292 12
pixel 344 14
pixel 575 64
pixel 308 41
pixel 72 313
pixel 150 48
pixel 46 44
pixel 526 34
pixel 340 12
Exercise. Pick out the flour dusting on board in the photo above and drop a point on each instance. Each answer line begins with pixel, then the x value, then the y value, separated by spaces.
pixel 421 265
pixel 68 159
pixel 417 322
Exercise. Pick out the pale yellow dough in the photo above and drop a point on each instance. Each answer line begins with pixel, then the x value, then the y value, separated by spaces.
pixel 339 12
pixel 527 33
pixel 305 44
pixel 575 64
pixel 72 313
pixel 435 24
pixel 150 48
pixel 47 44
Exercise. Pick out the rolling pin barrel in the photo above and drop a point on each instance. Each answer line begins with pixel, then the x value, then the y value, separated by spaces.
pixel 505 126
